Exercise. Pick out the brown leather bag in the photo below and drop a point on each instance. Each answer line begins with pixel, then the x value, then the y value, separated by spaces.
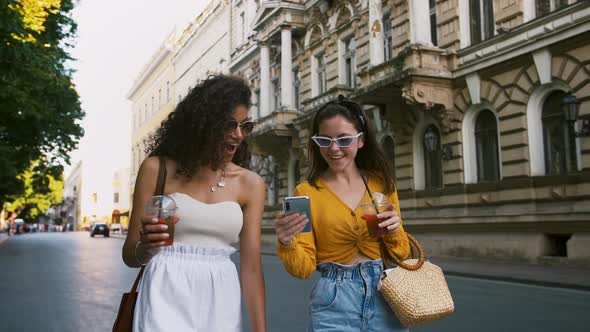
pixel 124 321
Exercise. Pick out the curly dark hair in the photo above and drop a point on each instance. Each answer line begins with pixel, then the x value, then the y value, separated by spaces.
pixel 193 134
pixel 370 158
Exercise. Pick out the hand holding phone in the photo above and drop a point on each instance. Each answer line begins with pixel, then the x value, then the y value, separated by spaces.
pixel 298 204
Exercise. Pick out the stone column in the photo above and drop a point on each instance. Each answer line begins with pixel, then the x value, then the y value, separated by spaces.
pixel 286 68
pixel 420 22
pixel 376 52
pixel 264 80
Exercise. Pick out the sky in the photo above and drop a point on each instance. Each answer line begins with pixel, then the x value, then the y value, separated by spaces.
pixel 115 40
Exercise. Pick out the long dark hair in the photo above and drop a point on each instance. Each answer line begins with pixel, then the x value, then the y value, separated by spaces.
pixel 193 134
pixel 370 158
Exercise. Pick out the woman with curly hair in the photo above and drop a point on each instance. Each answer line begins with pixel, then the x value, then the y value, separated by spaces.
pixel 192 285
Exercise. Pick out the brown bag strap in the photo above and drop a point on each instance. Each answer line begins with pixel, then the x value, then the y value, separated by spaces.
pixel 160 185
pixel 385 256
pixel 161 181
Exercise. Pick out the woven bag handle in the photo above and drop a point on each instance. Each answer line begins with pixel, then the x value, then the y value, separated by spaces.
pixel 399 262
pixel 160 185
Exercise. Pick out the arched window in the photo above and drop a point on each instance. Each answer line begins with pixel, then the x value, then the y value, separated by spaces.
pixel 432 158
pixel 486 143
pixel 558 137
pixel 389 148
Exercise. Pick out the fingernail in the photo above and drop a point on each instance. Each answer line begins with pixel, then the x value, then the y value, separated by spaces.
pixel 166 235
pixel 165 227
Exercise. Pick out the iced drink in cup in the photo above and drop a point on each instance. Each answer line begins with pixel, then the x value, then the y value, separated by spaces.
pixel 370 212
pixel 164 209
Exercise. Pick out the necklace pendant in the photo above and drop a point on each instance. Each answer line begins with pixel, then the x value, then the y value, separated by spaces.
pixel 221 183
pixel 213 189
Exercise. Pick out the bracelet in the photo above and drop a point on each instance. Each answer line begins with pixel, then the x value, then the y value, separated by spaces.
pixel 135 251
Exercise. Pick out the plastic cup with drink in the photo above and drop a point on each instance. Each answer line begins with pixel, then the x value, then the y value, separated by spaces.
pixel 163 208
pixel 371 210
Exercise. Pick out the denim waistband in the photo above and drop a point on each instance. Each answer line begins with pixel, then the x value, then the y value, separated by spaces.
pixel 335 271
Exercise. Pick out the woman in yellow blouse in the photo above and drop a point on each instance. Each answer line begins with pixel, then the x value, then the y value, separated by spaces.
pixel 344 153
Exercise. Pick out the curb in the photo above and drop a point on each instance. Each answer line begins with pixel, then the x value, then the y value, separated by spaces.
pixel 3 239
pixel 451 272
pixel 517 280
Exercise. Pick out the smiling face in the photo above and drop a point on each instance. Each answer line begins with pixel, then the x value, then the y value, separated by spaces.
pixel 234 134
pixel 337 158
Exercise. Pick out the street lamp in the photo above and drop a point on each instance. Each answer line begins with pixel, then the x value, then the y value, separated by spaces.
pixel 431 139
pixel 571 111
pixel 569 106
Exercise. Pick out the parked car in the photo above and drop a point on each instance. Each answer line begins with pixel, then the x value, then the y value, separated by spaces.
pixel 101 229
pixel 117 228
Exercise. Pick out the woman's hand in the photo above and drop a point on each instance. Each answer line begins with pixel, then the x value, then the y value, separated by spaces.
pixel 152 235
pixel 393 220
pixel 289 226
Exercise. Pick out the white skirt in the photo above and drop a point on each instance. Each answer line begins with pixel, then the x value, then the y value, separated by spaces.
pixel 189 288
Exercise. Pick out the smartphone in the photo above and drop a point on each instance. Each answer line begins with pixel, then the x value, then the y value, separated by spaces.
pixel 298 204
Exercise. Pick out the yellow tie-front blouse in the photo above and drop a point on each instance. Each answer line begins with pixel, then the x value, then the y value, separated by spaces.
pixel 338 233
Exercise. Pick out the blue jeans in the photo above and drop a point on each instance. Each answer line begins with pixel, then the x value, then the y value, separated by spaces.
pixel 346 299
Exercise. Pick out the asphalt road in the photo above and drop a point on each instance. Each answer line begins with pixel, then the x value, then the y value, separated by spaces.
pixel 71 282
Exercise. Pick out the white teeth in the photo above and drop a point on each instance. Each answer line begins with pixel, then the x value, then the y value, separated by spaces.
pixel 336 157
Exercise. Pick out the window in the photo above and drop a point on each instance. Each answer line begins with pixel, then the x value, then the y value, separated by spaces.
pixel 167 91
pixel 276 95
pixel 486 145
pixel 116 198
pixel 481 13
pixel 257 112
pixel 153 99
pixel 321 73
pixel 159 98
pixel 433 35
pixel 432 158
pixel 389 148
pixel 94 198
pixel 349 62
pixel 544 7
pixel 558 137
pixel 242 27
pixel 297 88
pixel 387 38
pixel 145 114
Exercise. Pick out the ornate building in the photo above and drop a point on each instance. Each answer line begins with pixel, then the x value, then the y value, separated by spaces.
pixel 473 101
pixel 152 99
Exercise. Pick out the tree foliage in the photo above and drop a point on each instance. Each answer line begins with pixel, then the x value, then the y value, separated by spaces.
pixel 33 202
pixel 40 109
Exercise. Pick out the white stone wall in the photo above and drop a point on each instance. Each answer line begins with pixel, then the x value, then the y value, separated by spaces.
pixel 206 52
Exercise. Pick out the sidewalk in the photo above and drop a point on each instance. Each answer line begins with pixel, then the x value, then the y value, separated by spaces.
pixel 528 273
pixel 3 237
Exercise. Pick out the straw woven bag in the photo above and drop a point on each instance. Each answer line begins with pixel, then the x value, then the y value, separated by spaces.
pixel 416 290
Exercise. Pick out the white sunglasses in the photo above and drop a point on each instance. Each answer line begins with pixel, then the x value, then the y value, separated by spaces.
pixel 342 142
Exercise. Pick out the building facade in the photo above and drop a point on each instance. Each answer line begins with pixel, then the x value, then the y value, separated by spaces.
pixel 152 99
pixel 203 48
pixel 72 197
pixel 470 99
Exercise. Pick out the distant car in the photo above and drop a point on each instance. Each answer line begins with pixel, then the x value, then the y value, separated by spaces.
pixel 101 229
pixel 117 228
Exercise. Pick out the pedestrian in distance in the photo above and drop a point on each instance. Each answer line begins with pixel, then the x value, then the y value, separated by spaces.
pixel 192 285
pixel 345 162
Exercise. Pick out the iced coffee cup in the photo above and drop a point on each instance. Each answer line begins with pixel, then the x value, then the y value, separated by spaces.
pixel 370 212
pixel 164 209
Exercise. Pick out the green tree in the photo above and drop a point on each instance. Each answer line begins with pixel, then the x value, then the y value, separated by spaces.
pixel 40 110
pixel 32 203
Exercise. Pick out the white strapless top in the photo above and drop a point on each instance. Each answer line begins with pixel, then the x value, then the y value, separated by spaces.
pixel 216 225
